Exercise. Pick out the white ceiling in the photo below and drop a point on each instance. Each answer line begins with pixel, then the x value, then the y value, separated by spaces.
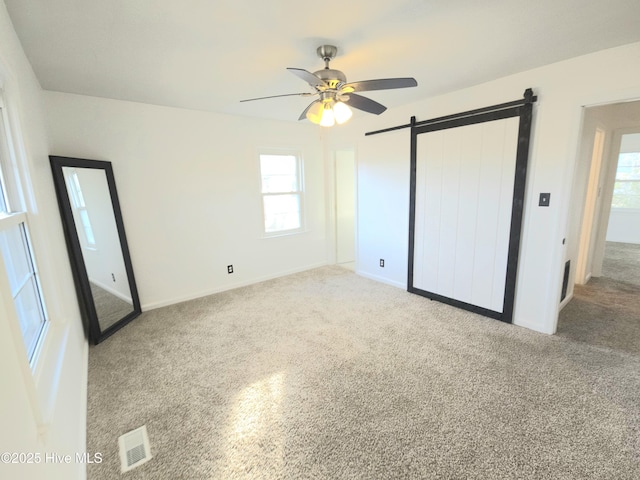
pixel 209 54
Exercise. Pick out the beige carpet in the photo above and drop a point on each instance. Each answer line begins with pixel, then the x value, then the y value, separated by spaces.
pixel 328 375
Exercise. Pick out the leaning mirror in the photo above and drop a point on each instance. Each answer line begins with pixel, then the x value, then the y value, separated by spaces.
pixel 98 249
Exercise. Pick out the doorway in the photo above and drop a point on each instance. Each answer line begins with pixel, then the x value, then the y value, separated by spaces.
pixel 609 197
pixel 345 201
pixel 604 236
pixel 621 259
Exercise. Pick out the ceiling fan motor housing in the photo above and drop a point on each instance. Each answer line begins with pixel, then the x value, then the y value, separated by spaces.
pixel 332 77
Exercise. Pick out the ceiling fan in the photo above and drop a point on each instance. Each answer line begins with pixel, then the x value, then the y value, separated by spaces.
pixel 335 94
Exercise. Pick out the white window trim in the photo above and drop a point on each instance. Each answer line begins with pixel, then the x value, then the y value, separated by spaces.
pixel 302 192
pixel 8 221
pixel 617 180
pixel 41 374
pixel 631 211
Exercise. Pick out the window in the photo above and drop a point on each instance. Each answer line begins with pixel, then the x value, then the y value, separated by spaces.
pixel 626 190
pixel 16 256
pixel 281 192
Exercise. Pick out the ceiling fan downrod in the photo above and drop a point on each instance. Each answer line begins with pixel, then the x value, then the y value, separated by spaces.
pixel 327 53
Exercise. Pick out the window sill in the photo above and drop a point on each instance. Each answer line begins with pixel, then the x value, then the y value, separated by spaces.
pixel 287 233
pixel 630 211
pixel 46 371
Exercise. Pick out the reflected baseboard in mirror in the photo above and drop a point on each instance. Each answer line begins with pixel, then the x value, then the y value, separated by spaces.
pixel 97 244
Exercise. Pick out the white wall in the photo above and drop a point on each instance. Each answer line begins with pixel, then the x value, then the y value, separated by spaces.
pixel 383 204
pixel 624 225
pixel 562 89
pixel 45 412
pixel 189 186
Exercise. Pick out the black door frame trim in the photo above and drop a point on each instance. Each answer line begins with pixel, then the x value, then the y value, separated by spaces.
pixel 522 109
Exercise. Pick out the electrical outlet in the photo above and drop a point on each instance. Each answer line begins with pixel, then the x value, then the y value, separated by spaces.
pixel 545 200
pixel 382 262
pixel 229 268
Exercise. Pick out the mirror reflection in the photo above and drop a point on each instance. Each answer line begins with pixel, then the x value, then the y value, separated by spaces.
pixel 97 243
pixel 95 222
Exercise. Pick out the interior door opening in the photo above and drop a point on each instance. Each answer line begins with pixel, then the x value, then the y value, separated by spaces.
pixel 609 214
pixel 345 181
pixel 603 301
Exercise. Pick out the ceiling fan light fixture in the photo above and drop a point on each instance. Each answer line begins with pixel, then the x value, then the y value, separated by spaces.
pixel 342 112
pixel 314 114
pixel 328 117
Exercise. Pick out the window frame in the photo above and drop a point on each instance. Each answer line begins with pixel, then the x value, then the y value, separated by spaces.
pixel 300 192
pixel 20 219
pixel 15 214
pixel 616 180
pixel 41 373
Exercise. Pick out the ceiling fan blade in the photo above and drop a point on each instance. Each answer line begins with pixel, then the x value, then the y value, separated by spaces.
pixel 365 104
pixel 303 115
pixel 380 84
pixel 305 94
pixel 308 77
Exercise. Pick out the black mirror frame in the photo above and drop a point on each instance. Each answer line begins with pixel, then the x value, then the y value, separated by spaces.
pixel 87 304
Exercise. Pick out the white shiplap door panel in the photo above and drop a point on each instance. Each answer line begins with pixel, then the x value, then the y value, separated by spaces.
pixel 468 201
pixel 464 191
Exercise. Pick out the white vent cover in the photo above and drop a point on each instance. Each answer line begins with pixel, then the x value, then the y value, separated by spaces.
pixel 134 448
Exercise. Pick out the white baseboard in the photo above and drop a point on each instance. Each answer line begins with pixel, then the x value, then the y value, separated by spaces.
pixel 204 293
pixel 112 291
pixel 536 327
pixel 566 300
pixel 380 279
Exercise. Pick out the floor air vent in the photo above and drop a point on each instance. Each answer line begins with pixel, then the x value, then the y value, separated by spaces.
pixel 134 448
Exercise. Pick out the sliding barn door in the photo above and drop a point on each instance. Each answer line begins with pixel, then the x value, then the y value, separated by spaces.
pixel 466 210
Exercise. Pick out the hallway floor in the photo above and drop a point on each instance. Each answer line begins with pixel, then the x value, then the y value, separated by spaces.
pixel 606 311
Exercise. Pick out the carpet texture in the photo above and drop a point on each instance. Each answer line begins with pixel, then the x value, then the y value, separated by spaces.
pixel 622 262
pixel 606 311
pixel 328 375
